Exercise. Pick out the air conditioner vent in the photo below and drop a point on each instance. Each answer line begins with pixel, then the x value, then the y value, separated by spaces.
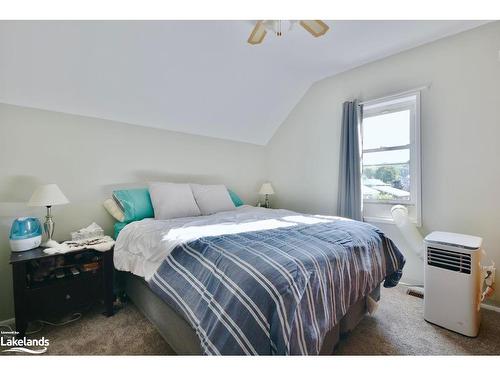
pixel 450 260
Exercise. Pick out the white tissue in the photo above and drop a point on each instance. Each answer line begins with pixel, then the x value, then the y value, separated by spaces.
pixel 92 231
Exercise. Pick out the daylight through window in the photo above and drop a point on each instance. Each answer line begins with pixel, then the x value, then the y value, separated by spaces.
pixel 390 151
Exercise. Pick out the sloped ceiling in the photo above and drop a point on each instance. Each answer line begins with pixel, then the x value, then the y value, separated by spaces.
pixel 198 77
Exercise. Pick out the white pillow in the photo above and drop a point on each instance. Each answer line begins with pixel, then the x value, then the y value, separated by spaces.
pixel 114 210
pixel 212 198
pixel 172 200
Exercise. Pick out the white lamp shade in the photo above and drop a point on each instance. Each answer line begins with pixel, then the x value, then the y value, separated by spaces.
pixel 48 195
pixel 266 188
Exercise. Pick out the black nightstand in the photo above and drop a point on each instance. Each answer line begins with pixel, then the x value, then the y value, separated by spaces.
pixel 40 294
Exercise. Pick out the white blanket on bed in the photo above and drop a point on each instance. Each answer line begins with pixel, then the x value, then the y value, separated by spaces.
pixel 142 246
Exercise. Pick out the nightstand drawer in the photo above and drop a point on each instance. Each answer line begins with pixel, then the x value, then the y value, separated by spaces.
pixel 64 297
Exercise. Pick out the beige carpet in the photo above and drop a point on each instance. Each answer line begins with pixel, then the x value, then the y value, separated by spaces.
pixel 396 328
pixel 128 332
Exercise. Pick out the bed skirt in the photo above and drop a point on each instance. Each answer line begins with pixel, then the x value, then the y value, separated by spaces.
pixel 182 338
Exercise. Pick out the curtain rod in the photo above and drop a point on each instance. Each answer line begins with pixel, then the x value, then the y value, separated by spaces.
pixel 426 87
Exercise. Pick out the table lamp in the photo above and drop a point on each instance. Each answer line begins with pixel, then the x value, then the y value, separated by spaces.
pixel 267 190
pixel 48 196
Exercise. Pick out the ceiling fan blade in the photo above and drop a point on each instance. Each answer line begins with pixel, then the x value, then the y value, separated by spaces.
pixel 258 33
pixel 316 28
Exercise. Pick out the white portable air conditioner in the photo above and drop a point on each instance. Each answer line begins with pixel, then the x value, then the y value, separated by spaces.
pixel 453 282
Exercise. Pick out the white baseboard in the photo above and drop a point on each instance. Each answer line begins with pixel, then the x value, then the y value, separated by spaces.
pixel 490 307
pixel 485 306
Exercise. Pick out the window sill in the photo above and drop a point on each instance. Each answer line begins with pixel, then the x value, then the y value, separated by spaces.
pixel 387 220
pixel 389 202
pixel 383 220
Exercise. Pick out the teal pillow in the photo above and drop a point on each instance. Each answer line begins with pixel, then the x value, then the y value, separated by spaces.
pixel 136 204
pixel 235 198
pixel 118 227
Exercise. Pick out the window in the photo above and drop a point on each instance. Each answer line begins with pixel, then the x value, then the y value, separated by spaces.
pixel 390 132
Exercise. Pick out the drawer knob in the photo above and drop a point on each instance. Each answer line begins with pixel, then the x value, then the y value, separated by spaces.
pixel 68 296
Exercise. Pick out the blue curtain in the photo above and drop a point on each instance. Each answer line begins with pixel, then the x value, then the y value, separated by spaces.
pixel 349 199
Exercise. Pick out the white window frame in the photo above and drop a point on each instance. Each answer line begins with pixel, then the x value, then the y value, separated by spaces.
pixel 377 107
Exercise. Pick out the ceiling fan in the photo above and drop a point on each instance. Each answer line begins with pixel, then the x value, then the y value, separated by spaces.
pixel 315 27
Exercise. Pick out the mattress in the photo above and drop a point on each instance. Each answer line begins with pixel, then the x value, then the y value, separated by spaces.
pixel 182 338
pixel 259 281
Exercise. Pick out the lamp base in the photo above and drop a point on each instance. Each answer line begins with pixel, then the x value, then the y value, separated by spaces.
pixel 49 243
pixel 267 203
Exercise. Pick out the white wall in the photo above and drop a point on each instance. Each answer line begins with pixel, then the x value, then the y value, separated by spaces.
pixel 460 131
pixel 88 157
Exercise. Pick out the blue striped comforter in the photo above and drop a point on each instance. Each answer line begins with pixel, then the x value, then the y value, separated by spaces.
pixel 276 291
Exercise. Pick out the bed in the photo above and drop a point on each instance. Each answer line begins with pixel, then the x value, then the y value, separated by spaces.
pixel 254 281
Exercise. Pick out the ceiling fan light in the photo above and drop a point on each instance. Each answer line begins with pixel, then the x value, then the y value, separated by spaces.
pixel 258 33
pixel 315 27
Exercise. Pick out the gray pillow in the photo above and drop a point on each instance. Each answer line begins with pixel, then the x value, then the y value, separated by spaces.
pixel 212 198
pixel 172 200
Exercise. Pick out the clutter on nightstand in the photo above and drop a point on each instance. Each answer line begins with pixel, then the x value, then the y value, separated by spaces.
pixel 46 269
pixel 91 237
pixel 92 231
